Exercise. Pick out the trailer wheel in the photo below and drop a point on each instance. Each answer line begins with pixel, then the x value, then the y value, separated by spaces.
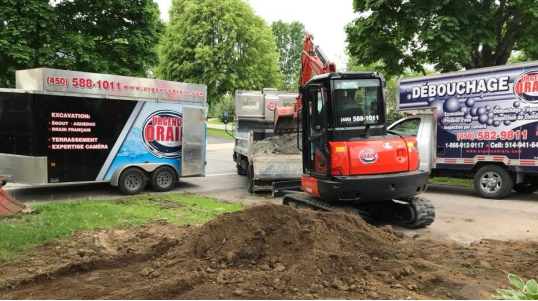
pixel 163 179
pixel 529 186
pixel 250 175
pixel 493 182
pixel 132 181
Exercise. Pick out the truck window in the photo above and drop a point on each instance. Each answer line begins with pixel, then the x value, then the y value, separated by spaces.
pixel 409 126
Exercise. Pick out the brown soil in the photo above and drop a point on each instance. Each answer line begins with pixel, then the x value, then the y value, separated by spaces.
pixel 266 252
pixel 279 144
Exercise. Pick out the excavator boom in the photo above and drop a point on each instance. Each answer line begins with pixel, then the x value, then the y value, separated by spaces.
pixel 313 62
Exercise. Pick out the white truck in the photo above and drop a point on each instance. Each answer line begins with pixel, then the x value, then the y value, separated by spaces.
pixel 480 124
pixel 254 121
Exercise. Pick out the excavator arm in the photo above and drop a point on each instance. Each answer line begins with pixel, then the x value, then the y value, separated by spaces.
pixel 313 62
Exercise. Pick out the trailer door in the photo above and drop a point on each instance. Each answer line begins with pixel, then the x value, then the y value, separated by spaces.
pixel 420 127
pixel 193 144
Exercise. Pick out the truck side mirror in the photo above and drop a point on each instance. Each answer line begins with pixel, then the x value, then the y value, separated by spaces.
pixel 225 117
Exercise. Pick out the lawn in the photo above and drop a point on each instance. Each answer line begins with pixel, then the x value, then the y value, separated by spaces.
pixel 219 133
pixel 452 182
pixel 60 220
pixel 217 121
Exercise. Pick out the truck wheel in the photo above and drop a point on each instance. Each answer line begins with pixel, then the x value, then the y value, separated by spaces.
pixel 132 181
pixel 163 179
pixel 250 175
pixel 529 186
pixel 493 182
pixel 240 170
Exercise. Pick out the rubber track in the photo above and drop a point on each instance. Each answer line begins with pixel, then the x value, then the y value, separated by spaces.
pixel 425 212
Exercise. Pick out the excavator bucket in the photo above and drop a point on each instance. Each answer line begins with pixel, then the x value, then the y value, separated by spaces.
pixel 8 205
pixel 285 121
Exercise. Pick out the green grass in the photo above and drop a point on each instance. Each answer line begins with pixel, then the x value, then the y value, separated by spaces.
pixel 452 182
pixel 217 121
pixel 219 133
pixel 60 220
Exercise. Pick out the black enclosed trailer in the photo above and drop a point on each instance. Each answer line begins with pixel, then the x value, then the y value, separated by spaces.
pixel 62 127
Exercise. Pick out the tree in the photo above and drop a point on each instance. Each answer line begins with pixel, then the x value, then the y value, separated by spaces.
pixel 27 37
pixel 104 36
pixel 220 43
pixel 451 35
pixel 289 42
pixel 117 37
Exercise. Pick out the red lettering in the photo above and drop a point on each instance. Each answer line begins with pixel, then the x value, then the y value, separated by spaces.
pixel 169 133
pixel 528 87
pixel 519 87
pixel 535 86
pixel 178 133
pixel 149 133
pixel 160 133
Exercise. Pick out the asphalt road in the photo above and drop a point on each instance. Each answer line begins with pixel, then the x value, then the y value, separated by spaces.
pixel 462 216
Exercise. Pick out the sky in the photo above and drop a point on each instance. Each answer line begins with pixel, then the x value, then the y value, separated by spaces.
pixel 322 18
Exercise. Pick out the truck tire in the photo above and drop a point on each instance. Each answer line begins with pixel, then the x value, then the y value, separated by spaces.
pixel 132 181
pixel 529 186
pixel 250 175
pixel 240 170
pixel 163 179
pixel 493 182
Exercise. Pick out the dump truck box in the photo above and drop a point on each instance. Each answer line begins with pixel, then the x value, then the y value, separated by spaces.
pixel 254 122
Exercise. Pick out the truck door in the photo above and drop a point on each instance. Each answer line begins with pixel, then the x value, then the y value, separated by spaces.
pixel 315 155
pixel 420 127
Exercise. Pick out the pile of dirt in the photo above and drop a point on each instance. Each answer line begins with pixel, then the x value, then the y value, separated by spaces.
pixel 266 252
pixel 279 144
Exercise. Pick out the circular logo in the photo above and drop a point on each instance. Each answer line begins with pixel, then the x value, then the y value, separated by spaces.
pixel 526 86
pixel 271 106
pixel 368 156
pixel 387 145
pixel 162 134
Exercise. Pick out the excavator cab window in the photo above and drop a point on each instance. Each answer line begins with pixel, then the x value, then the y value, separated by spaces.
pixel 358 102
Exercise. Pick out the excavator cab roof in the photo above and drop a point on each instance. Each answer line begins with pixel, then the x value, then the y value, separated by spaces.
pixel 347 75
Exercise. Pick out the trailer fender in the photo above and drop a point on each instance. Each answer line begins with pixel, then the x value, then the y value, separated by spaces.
pixel 147 167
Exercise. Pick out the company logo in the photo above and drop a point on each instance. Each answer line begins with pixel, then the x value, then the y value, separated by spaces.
pixel 526 86
pixel 271 106
pixel 162 134
pixel 387 145
pixel 368 156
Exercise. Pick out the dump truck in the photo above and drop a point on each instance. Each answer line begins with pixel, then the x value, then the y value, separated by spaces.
pixel 259 154
pixel 480 124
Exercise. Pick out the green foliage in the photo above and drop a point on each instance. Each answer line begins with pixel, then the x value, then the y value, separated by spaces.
pixel 452 35
pixel 105 36
pixel 289 43
pixel 227 103
pixel 26 28
pixel 61 220
pixel 117 37
pixel 220 43
pixel 523 291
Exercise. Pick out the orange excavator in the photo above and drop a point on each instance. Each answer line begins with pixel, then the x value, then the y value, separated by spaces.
pixel 351 161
